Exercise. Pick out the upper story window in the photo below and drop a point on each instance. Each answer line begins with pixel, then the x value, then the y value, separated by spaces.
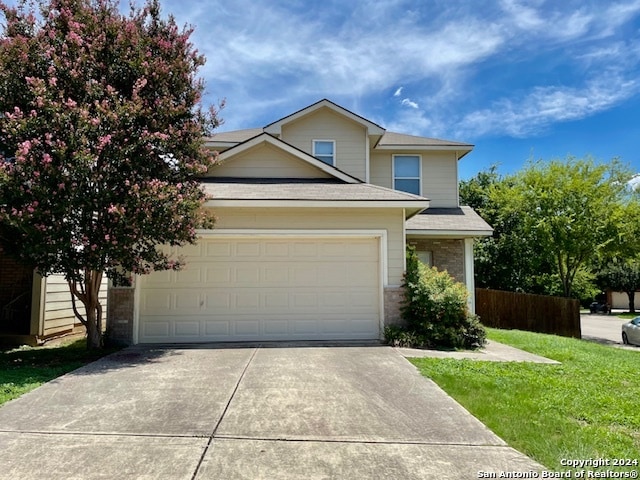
pixel 406 173
pixel 325 150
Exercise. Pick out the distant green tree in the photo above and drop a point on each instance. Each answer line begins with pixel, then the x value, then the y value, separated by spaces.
pixel 552 221
pixel 508 260
pixel 622 277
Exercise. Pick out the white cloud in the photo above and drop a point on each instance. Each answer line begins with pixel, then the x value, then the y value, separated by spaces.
pixel 409 103
pixel 547 105
pixel 634 183
pixel 270 58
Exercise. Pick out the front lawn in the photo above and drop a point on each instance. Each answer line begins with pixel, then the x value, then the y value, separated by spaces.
pixel 25 368
pixel 588 407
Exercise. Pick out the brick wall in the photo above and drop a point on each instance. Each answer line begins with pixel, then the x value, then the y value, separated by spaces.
pixel 446 254
pixel 393 299
pixel 120 316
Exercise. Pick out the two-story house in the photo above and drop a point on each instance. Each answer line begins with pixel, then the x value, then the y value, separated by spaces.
pixel 314 212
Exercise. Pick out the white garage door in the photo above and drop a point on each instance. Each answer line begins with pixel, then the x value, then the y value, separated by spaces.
pixel 245 289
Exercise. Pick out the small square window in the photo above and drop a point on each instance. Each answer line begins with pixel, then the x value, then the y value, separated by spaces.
pixel 425 257
pixel 406 173
pixel 325 150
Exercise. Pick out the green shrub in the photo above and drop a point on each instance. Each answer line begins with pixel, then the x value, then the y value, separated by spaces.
pixel 436 310
pixel 397 336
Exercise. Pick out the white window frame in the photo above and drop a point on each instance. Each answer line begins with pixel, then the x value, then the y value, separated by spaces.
pixel 313 149
pixel 393 171
pixel 426 257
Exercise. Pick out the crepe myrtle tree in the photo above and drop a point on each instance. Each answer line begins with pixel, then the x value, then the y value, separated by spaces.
pixel 101 134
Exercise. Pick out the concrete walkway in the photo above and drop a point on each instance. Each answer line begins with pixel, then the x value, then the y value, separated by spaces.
pixel 247 412
pixel 492 352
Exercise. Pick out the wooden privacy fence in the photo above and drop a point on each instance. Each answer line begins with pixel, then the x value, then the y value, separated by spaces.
pixel 524 311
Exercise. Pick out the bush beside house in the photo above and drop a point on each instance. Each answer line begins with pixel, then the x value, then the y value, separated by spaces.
pixel 435 311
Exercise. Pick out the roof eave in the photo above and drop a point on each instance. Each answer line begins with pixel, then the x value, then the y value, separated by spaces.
pixel 305 203
pixel 428 148
pixel 434 233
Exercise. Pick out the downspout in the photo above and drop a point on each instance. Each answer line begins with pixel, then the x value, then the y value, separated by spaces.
pixel 469 274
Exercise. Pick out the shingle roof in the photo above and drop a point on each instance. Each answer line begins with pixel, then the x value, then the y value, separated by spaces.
pixel 301 189
pixel 235 136
pixel 400 139
pixel 462 219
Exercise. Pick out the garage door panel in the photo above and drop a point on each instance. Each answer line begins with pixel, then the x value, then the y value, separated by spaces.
pixel 247 301
pixel 276 327
pixel 248 275
pixel 217 328
pixel 217 274
pixel 248 249
pixel 276 299
pixel 156 328
pixel 187 329
pixel 302 274
pixel 189 275
pixel 217 250
pixel 278 275
pixel 304 250
pixel 247 327
pixel 266 289
pixel 187 301
pixel 218 301
pixel 276 249
pixel 156 301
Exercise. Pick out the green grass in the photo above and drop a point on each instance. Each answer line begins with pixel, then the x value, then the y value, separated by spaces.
pixel 588 407
pixel 25 368
pixel 627 316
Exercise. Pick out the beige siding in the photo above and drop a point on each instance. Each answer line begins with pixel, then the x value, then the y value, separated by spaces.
pixel 58 311
pixel 391 220
pixel 440 179
pixel 266 161
pixel 324 124
pixel 439 175
pixel 381 169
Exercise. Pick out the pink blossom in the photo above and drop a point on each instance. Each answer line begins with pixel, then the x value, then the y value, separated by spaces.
pixel 71 103
pixel 104 141
pixel 46 159
pixel 24 147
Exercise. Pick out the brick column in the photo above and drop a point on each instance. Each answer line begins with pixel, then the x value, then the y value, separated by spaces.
pixel 120 315
pixel 393 299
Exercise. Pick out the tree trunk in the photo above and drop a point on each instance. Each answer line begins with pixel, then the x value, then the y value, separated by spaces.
pixel 88 293
pixel 632 307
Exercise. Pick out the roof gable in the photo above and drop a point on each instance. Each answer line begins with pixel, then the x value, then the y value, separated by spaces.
pixel 275 128
pixel 291 154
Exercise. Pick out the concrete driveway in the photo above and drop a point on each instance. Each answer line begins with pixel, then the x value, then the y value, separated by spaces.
pixel 250 412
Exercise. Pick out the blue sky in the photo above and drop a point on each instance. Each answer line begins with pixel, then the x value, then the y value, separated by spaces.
pixel 519 79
